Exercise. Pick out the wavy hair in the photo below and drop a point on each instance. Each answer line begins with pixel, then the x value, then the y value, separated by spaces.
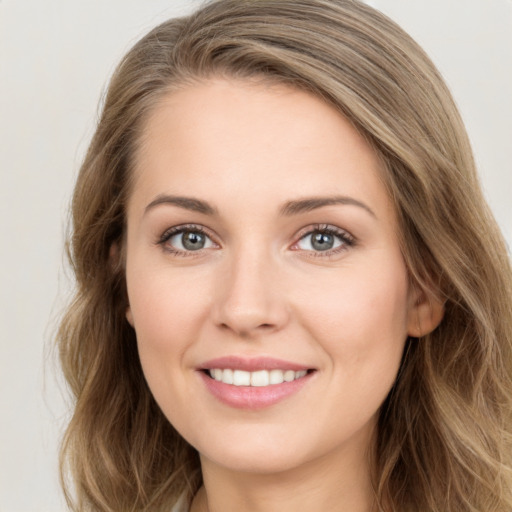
pixel 444 438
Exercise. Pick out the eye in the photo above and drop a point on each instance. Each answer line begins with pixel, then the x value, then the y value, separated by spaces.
pixel 183 239
pixel 324 239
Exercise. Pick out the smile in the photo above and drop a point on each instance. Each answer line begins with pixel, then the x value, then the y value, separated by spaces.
pixel 258 378
pixel 254 383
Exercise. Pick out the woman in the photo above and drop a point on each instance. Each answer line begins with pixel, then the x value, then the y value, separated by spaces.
pixel 290 291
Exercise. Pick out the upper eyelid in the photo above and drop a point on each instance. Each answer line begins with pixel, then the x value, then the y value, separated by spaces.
pixel 324 227
pixel 185 227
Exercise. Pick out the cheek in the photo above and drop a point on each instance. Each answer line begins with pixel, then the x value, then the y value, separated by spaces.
pixel 361 313
pixel 167 309
pixel 165 304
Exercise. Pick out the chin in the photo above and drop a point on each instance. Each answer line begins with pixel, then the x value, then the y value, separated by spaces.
pixel 256 461
pixel 260 449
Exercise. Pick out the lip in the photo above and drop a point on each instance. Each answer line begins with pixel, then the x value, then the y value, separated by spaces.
pixel 252 364
pixel 253 397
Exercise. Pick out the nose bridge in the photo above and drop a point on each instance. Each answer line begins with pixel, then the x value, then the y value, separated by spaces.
pixel 249 297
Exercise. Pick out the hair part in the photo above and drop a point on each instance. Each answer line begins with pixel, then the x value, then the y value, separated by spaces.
pixel 444 439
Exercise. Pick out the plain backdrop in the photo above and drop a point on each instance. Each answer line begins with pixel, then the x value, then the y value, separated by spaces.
pixel 55 60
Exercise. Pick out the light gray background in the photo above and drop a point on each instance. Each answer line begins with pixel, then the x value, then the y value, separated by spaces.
pixel 55 58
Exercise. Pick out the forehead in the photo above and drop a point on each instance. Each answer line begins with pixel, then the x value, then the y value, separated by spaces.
pixel 229 138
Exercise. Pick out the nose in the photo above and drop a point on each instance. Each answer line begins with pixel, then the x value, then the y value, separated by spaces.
pixel 250 299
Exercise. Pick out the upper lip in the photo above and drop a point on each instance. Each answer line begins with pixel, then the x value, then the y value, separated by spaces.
pixel 252 364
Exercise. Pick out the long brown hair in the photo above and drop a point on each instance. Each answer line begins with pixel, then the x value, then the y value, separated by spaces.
pixel 444 439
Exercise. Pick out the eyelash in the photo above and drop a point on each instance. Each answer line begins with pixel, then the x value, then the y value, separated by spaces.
pixel 176 230
pixel 347 240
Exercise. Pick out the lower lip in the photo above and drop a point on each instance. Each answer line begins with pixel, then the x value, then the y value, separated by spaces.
pixel 253 397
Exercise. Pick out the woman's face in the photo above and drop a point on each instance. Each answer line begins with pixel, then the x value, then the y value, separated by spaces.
pixel 266 285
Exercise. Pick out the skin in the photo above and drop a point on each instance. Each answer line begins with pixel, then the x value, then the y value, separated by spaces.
pixel 259 288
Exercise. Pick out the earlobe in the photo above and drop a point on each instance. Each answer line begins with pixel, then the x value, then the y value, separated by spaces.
pixel 425 314
pixel 116 258
pixel 129 315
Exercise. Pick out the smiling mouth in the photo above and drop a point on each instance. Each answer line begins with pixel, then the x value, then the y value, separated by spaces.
pixel 260 378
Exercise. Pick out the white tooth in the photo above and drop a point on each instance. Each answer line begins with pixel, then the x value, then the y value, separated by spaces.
pixel 259 378
pixel 276 377
pixel 289 375
pixel 241 378
pixel 227 376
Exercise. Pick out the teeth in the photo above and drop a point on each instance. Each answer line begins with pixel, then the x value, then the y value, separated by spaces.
pixel 289 375
pixel 259 378
pixel 226 376
pixel 240 378
pixel 276 376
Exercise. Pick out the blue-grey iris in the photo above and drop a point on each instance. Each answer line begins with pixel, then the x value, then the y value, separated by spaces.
pixel 322 241
pixel 192 240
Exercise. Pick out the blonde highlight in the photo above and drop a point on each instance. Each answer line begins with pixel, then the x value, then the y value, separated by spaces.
pixel 444 440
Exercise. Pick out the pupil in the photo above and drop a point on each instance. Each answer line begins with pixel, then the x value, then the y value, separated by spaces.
pixel 193 241
pixel 322 241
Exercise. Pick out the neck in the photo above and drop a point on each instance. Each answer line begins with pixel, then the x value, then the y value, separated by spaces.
pixel 316 485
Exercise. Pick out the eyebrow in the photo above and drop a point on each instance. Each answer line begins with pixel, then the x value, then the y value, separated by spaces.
pixel 188 203
pixel 288 209
pixel 312 203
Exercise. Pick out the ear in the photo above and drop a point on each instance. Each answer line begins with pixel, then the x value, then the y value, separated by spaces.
pixel 129 315
pixel 116 258
pixel 426 310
